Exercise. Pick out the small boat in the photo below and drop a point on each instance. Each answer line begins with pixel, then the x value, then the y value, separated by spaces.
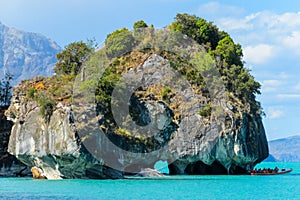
pixel 282 171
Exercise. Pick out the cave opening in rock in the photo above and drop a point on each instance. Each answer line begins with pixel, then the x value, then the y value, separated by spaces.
pixel 237 170
pixel 162 166
pixel 200 168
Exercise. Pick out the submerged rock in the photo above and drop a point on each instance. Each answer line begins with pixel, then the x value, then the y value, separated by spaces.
pixel 37 173
pixel 148 172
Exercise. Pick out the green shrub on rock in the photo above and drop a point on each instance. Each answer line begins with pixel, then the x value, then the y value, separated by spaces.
pixel 119 42
pixel 139 25
pixel 46 107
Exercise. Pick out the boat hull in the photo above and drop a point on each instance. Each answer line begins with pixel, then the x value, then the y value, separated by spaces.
pixel 273 173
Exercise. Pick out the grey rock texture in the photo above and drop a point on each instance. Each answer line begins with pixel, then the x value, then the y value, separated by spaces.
pixel 9 165
pixel 26 55
pixel 50 146
pixel 70 144
pixel 148 172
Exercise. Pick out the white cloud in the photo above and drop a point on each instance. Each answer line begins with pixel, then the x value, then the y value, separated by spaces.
pixel 283 75
pixel 272 82
pixel 293 41
pixel 288 96
pixel 297 87
pixel 259 54
pixel 215 9
pixel 289 19
pixel 235 24
pixel 280 30
pixel 271 85
pixel 274 113
pixel 230 24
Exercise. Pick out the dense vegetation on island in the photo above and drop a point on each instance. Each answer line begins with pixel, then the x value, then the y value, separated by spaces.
pixel 228 55
pixel 240 85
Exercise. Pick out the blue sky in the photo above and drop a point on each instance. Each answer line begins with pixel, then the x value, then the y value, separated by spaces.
pixel 269 32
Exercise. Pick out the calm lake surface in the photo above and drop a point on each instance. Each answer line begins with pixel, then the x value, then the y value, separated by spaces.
pixel 176 187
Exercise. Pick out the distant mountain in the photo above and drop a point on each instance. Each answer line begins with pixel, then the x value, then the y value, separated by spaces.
pixel 26 55
pixel 270 158
pixel 285 149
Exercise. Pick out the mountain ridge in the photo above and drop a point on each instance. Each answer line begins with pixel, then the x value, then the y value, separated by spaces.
pixel 285 149
pixel 26 54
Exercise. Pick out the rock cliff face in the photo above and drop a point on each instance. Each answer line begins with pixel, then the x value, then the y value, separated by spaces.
pixel 54 146
pixel 50 146
pixel 26 55
pixel 9 165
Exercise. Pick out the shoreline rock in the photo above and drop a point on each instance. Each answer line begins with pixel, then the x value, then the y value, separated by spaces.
pixel 148 172
pixel 37 173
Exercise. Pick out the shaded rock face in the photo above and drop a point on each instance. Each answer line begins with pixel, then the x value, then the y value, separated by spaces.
pixel 26 55
pixel 235 152
pixel 9 165
pixel 54 147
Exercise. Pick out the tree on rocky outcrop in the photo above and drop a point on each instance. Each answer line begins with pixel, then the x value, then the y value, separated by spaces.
pixel 138 26
pixel 5 89
pixel 72 58
pixel 119 42
pixel 197 28
pixel 227 54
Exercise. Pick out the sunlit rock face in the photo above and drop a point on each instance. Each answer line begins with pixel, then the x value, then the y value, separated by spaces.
pixel 26 55
pixel 193 144
pixel 51 146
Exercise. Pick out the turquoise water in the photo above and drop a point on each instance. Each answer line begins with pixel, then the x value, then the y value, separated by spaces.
pixel 176 187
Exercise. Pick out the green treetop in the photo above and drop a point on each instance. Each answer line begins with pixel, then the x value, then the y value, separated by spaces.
pixel 72 57
pixel 227 54
pixel 119 42
pixel 139 25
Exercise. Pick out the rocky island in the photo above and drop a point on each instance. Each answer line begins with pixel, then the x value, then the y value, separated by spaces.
pixel 180 95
